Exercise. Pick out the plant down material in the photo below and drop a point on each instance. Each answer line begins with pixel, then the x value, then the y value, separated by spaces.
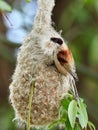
pixel 45 61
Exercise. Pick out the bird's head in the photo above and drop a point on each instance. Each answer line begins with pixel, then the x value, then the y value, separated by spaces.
pixel 63 58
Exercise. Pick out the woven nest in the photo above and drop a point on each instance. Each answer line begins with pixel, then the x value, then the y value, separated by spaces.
pixel 49 87
pixel 35 65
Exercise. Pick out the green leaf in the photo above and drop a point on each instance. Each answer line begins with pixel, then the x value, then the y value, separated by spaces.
pixel 72 112
pixel 77 127
pixel 65 103
pixel 91 125
pixel 82 114
pixel 63 114
pixel 5 6
pixel 53 123
pixel 56 123
pixel 68 126
pixel 28 0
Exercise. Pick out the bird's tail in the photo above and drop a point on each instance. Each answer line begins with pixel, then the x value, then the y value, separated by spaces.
pixel 43 17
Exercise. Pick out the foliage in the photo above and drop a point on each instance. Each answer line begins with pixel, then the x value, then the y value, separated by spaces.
pixel 4 6
pixel 6 117
pixel 73 114
pixel 28 0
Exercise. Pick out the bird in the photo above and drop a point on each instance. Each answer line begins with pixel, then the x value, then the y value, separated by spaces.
pixel 45 60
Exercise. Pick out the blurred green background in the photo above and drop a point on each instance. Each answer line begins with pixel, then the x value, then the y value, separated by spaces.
pixel 79 21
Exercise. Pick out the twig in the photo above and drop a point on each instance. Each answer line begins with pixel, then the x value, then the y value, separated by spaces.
pixel 29 106
pixel 6 17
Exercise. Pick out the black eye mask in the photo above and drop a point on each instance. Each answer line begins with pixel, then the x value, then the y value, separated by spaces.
pixel 57 40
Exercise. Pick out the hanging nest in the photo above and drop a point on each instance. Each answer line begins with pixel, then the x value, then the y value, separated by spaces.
pixel 35 66
pixel 49 87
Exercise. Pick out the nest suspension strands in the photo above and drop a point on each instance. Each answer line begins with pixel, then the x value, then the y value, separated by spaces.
pixel 45 59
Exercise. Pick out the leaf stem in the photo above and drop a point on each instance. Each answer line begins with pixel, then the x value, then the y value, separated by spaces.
pixel 29 106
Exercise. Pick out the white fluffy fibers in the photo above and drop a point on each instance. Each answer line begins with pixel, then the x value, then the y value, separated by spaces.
pixel 35 63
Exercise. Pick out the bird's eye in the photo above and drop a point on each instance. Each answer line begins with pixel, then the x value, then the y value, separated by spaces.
pixel 57 40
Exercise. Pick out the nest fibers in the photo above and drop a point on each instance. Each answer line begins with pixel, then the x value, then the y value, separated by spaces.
pixel 35 63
